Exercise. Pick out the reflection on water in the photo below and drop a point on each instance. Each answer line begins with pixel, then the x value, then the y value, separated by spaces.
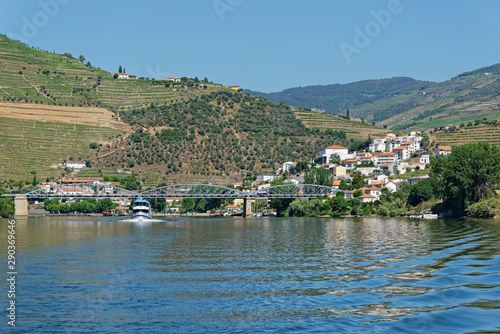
pixel 250 275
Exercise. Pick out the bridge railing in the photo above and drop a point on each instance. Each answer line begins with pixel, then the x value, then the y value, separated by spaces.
pixel 84 190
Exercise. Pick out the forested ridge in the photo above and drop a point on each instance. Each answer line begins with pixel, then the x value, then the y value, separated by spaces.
pixel 222 133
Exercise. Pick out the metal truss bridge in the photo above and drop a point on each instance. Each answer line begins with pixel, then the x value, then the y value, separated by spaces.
pixel 83 190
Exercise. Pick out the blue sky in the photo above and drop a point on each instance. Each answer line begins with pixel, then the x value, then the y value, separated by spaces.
pixel 266 45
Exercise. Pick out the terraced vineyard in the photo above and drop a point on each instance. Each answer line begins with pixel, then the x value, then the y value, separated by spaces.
pixel 469 134
pixel 33 145
pixel 35 76
pixel 354 129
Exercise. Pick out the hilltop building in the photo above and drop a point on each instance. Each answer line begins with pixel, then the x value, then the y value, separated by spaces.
pixel 125 76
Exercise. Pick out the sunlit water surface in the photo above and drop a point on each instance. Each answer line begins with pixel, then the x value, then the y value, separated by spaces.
pixel 274 275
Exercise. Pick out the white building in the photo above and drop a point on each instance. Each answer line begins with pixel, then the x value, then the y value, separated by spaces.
pixel 324 155
pixel 402 152
pixel 126 76
pixel 386 158
pixel 443 150
pixel 75 164
pixel 424 159
pixel 288 166
pixel 265 177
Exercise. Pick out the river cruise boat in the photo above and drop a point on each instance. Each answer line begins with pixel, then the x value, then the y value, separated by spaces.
pixel 141 209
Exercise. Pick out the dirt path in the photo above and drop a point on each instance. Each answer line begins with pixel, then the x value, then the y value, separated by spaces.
pixel 92 116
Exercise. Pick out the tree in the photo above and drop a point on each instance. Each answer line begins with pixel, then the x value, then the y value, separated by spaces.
pixel 81 58
pixel 348 116
pixel 468 175
pixel 188 204
pixel 423 191
pixel 120 69
pixel 280 205
pixel 34 180
pixel 335 158
pixel 6 207
pixel 158 204
pixel 124 69
pixel 105 204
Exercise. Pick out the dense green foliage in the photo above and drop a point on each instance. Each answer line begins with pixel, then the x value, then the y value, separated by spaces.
pixel 6 207
pixel 485 209
pixel 468 175
pixel 423 191
pixel 221 133
pixel 90 205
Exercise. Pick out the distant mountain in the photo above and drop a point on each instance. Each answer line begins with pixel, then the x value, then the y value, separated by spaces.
pixel 337 98
pixel 402 102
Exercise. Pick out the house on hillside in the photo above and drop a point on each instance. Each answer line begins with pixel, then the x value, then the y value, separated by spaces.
pixel 324 155
pixel 174 79
pixel 443 150
pixel 337 171
pixel 402 152
pixel 75 164
pixel 386 158
pixel 125 76
pixel 351 163
pixel 367 198
pixel 235 87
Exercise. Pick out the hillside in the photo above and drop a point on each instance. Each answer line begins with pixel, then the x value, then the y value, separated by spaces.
pixel 402 103
pixel 35 76
pixel 337 98
pixel 148 129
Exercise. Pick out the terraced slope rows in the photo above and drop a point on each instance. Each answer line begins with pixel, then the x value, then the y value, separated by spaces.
pixel 354 129
pixel 470 134
pixel 32 145
pixel 35 76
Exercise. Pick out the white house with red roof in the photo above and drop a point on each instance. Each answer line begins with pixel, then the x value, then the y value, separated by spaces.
pixel 366 198
pixel 174 79
pixel 402 152
pixel 443 150
pixel 386 158
pixel 351 163
pixel 324 155
pixel 125 76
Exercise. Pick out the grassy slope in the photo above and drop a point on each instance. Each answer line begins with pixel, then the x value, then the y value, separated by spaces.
pixel 468 134
pixel 70 82
pixel 34 145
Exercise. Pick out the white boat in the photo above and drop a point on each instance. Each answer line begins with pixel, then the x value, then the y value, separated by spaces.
pixel 141 209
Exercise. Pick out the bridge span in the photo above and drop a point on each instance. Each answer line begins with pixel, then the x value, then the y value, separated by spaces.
pixel 100 191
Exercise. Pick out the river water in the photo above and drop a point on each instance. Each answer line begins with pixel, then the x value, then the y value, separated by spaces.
pixel 277 275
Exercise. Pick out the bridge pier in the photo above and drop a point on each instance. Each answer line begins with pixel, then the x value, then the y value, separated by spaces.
pixel 21 205
pixel 247 208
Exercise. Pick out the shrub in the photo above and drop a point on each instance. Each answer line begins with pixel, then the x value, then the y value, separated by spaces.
pixel 485 209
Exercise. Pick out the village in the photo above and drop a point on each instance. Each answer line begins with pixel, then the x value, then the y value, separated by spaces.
pixel 389 163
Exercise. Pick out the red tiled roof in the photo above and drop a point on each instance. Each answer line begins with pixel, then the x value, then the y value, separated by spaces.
pixel 444 148
pixel 386 154
pixel 385 165
pixel 337 146
pixel 366 196
pixel 336 182
pixel 400 148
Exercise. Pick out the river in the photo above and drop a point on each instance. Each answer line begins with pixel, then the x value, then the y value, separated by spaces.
pixel 255 275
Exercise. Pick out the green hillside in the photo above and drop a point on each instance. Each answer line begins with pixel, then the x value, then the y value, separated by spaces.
pixel 402 103
pixel 36 76
pixel 27 146
pixel 190 132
